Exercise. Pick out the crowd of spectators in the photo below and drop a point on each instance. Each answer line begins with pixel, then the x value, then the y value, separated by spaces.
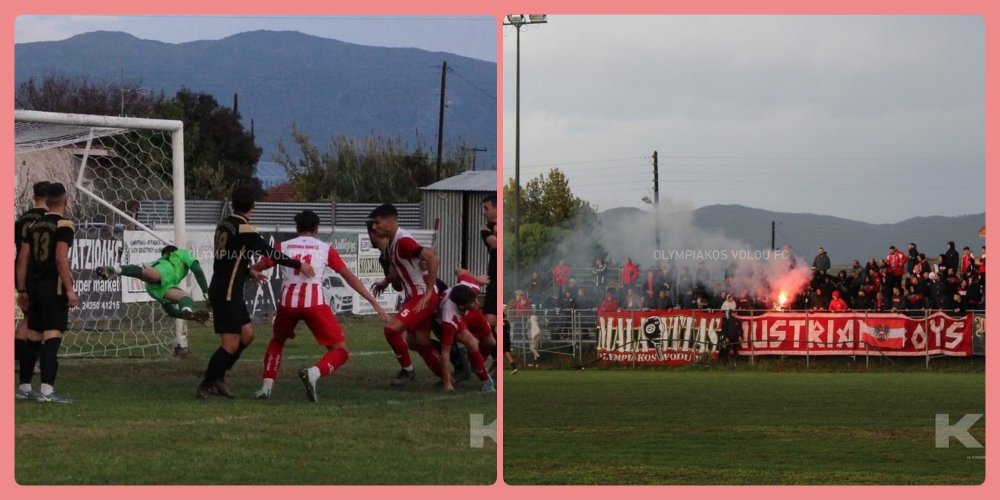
pixel 900 282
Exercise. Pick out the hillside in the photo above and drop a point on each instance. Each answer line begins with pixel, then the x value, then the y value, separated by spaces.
pixel 327 87
pixel 631 231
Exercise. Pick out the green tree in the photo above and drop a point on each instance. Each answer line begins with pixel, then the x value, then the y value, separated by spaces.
pixel 218 152
pixel 215 145
pixel 360 170
pixel 554 224
pixel 64 94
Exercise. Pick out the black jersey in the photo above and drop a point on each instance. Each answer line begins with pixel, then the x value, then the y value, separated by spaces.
pixel 42 237
pixel 383 260
pixel 237 242
pixel 22 225
pixel 490 229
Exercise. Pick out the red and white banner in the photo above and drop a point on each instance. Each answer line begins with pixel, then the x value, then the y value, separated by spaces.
pixel 789 333
pixel 684 336
pixel 680 337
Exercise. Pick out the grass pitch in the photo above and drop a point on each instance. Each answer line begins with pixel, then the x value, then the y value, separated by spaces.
pixel 721 426
pixel 137 422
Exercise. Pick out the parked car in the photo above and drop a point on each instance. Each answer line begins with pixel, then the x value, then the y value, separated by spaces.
pixel 338 295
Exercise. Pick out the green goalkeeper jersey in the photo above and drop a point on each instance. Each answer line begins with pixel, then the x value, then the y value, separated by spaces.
pixel 180 260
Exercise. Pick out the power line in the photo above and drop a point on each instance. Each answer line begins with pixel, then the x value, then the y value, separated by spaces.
pixel 580 162
pixel 473 85
pixel 614 183
pixel 325 19
pixel 820 158
pixel 604 170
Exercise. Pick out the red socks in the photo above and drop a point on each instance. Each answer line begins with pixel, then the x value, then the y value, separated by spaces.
pixel 272 359
pixel 328 364
pixel 399 347
pixel 331 361
pixel 478 365
pixel 431 357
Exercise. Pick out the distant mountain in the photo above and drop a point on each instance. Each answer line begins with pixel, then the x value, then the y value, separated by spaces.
pixel 326 87
pixel 711 226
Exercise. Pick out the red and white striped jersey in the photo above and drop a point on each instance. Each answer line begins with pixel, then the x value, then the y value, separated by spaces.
pixel 403 253
pixel 297 290
pixel 448 312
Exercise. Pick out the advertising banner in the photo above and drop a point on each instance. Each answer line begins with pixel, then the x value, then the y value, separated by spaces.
pixel 93 248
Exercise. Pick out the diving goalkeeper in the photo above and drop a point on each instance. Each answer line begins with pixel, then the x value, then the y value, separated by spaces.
pixel 163 277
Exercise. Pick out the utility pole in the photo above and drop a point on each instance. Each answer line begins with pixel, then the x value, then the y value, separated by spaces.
pixel 474 156
pixel 772 237
pixel 656 196
pixel 444 73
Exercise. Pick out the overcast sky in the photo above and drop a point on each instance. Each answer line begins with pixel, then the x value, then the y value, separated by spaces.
pixel 874 118
pixel 462 35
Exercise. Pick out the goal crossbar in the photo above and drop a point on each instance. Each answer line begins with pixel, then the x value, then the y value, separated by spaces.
pixel 103 126
pixel 176 129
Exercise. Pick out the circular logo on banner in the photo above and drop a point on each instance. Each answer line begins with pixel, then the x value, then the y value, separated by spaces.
pixel 652 328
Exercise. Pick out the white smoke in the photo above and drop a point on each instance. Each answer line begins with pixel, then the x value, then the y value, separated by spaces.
pixel 757 269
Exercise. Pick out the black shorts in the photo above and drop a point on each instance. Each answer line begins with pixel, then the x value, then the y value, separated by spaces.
pixel 229 316
pixel 49 310
pixel 490 302
pixel 506 337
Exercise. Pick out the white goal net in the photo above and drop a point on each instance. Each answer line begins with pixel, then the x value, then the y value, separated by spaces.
pixel 119 174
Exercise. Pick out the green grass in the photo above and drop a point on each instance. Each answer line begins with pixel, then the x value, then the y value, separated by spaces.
pixel 137 422
pixel 738 427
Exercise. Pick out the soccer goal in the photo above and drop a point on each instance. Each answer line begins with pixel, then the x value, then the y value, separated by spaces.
pixel 125 183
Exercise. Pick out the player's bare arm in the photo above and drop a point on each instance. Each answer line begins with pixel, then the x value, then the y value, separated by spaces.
pixel 358 286
pixel 256 242
pixel 491 240
pixel 257 270
pixel 21 275
pixel 391 279
pixel 430 261
pixel 482 279
pixel 65 275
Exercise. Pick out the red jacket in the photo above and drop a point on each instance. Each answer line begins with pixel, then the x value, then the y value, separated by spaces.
pixel 630 272
pixel 521 306
pixel 897 262
pixel 967 260
pixel 561 274
pixel 837 304
pixel 608 305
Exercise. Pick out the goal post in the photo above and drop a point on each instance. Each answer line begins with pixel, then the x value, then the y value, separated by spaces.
pixel 112 167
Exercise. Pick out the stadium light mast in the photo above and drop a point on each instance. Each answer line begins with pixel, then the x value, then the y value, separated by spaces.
pixel 518 20
pixel 656 195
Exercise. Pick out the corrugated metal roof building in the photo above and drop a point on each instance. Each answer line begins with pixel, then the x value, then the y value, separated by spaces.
pixel 272 215
pixel 457 203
